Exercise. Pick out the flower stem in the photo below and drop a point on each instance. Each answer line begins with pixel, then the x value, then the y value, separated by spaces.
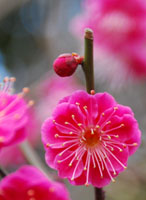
pixel 33 158
pixel 99 194
pixel 88 60
pixel 2 173
pixel 89 76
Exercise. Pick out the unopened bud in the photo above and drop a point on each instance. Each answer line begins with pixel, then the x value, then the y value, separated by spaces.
pixel 65 64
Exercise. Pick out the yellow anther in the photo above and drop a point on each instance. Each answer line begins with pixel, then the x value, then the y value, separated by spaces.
pixel 125 167
pixel 115 108
pixel 6 79
pixel 92 92
pixel 109 122
pixel 85 107
pixel 135 144
pixel 102 132
pixel 31 103
pixel 113 180
pixel 124 145
pixel 79 124
pixel 86 184
pixel 97 126
pixel 109 137
pixel 56 135
pixel 63 144
pixel 73 116
pixel 117 136
pixel 112 149
pixel 77 103
pixel 122 125
pixel 47 145
pixel 60 154
pixel 70 164
pixel 54 121
pixel 115 173
pixel 25 90
pixel 66 123
pixel 120 150
pixel 72 179
pixel 74 54
pixel 92 132
pixel 85 168
pixel 12 79
pixel 103 114
pixel 58 161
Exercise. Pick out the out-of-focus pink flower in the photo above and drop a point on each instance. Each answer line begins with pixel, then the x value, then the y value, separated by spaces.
pixel 7 155
pixel 118 26
pixel 89 138
pixel 51 90
pixel 13 115
pixel 28 183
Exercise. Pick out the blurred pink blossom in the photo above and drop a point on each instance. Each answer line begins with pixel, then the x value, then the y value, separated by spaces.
pixel 51 90
pixel 12 155
pixel 89 138
pixel 13 115
pixel 30 183
pixel 119 28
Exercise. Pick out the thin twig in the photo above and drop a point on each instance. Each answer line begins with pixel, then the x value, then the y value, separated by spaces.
pixel 2 173
pixel 33 158
pixel 99 194
pixel 88 60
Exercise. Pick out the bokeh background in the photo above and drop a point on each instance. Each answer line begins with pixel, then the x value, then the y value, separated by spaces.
pixel 32 34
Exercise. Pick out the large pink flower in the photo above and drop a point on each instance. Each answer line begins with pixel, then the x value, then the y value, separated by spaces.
pixel 13 115
pixel 28 183
pixel 89 138
pixel 118 26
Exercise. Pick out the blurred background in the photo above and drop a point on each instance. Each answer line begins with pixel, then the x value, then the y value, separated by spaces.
pixel 32 34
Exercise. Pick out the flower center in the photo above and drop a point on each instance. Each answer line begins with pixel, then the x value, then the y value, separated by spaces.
pixel 91 137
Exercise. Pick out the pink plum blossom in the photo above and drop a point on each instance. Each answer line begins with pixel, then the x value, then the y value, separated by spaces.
pixel 89 138
pixel 7 155
pixel 13 114
pixel 119 28
pixel 28 183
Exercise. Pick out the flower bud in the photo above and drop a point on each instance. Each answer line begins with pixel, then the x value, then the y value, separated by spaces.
pixel 66 64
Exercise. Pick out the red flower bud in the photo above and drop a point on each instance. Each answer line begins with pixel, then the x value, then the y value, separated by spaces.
pixel 66 64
